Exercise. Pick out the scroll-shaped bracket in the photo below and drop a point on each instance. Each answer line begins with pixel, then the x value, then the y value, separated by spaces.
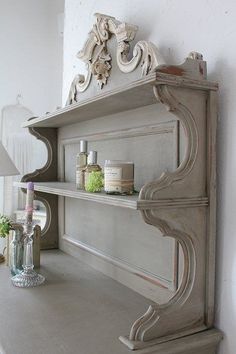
pixel 184 313
pixel 98 60
pixel 47 173
pixel 189 178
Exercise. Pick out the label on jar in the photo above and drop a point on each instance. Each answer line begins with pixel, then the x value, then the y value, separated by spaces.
pixel 113 176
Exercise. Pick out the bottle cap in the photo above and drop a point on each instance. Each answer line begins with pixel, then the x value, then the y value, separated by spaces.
pixel 83 145
pixel 92 158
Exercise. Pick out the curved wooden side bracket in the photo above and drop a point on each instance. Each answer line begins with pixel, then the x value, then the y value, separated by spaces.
pixel 139 330
pixel 47 173
pixel 154 189
pixel 185 312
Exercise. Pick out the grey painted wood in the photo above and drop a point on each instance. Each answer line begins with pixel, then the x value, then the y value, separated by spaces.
pixel 48 172
pixel 135 135
pixel 67 189
pixel 177 190
pixel 132 96
pixel 138 140
pixel 135 278
pixel 204 342
pixel 138 144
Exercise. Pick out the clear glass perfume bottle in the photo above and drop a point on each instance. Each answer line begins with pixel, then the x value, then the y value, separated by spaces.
pixel 81 163
pixel 92 166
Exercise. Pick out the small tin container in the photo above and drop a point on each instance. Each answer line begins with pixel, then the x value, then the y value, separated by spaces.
pixel 118 177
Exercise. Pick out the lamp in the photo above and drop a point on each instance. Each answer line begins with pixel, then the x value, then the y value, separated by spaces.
pixel 7 168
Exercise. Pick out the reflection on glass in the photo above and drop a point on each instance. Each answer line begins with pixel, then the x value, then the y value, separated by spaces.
pixel 39 214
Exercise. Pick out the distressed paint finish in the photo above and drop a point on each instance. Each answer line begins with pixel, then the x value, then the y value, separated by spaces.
pixel 181 203
pixel 47 173
pixel 97 58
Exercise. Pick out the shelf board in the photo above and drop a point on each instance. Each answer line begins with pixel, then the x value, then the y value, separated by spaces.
pixel 134 95
pixel 66 189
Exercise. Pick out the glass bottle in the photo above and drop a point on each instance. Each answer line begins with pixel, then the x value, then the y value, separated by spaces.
pixel 28 277
pixel 81 163
pixel 92 166
pixel 16 251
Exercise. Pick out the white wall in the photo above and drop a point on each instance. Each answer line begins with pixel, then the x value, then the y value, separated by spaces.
pixel 31 53
pixel 31 56
pixel 178 27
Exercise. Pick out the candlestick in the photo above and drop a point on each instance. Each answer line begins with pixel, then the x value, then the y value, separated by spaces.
pixel 28 277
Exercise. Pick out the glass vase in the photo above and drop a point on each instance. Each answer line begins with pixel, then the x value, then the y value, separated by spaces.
pixel 28 277
pixel 16 248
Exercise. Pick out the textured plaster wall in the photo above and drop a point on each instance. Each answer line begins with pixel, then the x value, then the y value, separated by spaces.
pixel 178 27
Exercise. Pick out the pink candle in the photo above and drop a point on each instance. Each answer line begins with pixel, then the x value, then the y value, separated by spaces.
pixel 29 202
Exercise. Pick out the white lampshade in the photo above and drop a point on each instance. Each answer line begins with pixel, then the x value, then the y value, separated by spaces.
pixel 7 167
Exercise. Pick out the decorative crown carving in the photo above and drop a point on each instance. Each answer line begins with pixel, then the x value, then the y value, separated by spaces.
pixel 99 61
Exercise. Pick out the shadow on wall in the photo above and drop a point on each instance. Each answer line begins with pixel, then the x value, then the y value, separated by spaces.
pixel 226 242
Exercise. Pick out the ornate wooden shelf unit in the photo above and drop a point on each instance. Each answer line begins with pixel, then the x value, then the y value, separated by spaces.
pixel 179 203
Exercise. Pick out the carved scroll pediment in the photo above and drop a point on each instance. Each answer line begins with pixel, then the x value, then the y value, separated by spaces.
pixel 98 60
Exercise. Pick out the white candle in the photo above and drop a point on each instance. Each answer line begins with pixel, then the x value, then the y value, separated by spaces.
pixel 29 202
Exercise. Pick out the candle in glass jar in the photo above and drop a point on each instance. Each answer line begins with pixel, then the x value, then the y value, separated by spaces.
pixel 118 177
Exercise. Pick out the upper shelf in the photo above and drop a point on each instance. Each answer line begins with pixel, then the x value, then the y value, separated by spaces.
pixel 66 189
pixel 134 95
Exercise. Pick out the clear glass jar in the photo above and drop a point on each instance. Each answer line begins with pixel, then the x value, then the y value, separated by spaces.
pixel 119 177
pixel 16 251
